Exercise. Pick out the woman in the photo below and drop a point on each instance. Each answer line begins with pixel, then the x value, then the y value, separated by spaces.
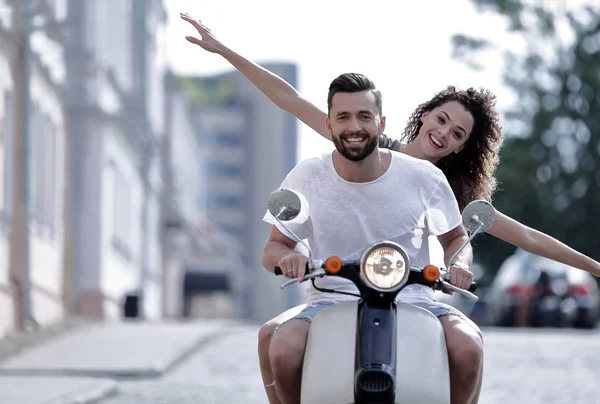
pixel 467 153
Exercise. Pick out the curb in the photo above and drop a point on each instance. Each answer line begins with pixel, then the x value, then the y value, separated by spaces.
pixel 153 371
pixel 98 390
pixel 168 364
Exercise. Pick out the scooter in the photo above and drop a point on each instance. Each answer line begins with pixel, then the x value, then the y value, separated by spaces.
pixel 374 349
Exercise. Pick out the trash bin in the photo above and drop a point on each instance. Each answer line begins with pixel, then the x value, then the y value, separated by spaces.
pixel 131 306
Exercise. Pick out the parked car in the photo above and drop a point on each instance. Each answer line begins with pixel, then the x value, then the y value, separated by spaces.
pixel 514 294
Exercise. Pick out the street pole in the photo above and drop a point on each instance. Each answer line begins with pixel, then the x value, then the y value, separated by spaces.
pixel 19 250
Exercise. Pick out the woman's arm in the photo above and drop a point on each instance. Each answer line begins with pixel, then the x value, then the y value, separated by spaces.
pixel 536 242
pixel 280 92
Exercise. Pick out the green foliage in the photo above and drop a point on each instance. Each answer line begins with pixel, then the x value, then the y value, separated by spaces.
pixel 203 92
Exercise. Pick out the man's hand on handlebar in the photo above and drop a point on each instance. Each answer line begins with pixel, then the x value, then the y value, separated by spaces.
pixel 293 265
pixel 460 276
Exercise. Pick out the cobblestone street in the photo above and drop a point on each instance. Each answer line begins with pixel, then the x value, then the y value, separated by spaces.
pixel 521 366
pixel 225 371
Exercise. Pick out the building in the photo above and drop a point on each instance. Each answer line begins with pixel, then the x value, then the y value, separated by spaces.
pixel 115 178
pixel 251 146
pixel 114 100
pixel 31 218
pixel 90 234
pixel 201 261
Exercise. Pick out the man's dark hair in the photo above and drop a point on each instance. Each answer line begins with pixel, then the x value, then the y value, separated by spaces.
pixel 352 83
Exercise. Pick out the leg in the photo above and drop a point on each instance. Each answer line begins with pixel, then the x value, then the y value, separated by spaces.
pixel 465 355
pixel 264 341
pixel 286 355
pixel 465 352
pixel 286 352
pixel 475 399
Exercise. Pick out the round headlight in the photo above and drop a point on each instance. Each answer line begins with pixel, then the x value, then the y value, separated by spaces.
pixel 385 267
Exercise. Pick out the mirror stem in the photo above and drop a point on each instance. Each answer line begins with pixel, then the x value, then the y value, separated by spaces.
pixel 297 238
pixel 449 264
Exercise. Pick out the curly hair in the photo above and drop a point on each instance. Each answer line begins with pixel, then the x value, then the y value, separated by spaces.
pixel 470 172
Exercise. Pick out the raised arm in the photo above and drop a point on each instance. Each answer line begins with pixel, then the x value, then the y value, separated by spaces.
pixel 280 92
pixel 536 242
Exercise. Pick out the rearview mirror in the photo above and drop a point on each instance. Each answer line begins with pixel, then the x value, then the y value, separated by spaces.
pixel 478 216
pixel 284 204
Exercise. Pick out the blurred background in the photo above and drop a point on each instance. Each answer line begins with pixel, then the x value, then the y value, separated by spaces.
pixel 135 167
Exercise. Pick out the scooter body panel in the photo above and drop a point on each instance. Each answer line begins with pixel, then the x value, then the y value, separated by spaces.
pixel 422 374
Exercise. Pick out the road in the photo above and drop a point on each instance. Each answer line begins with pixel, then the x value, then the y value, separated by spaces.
pixel 521 366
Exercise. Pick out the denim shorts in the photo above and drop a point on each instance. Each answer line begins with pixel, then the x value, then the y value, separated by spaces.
pixel 308 313
pixel 438 309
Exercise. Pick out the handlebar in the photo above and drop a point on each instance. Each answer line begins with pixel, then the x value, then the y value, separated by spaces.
pixel 277 269
pixel 314 269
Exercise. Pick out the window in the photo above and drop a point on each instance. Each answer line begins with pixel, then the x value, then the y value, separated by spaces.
pixel 223 201
pixel 6 145
pixel 58 8
pixel 216 169
pixel 5 151
pixel 113 27
pixel 49 187
pixel 226 139
pixel 43 159
pixel 122 212
pixel 234 231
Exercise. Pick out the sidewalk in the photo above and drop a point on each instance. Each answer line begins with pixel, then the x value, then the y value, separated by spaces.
pixel 81 366
pixel 54 390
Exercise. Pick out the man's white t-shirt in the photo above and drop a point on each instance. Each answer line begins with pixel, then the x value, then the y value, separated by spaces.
pixel 411 201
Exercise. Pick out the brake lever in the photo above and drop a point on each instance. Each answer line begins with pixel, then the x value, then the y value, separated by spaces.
pixel 314 274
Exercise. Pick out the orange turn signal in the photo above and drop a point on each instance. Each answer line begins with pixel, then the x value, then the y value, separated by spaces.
pixel 431 273
pixel 333 265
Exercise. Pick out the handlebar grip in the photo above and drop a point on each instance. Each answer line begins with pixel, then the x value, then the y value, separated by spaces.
pixel 277 270
pixel 473 287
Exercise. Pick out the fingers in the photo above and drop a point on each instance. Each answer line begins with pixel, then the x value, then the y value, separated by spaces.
pixel 293 266
pixel 461 278
pixel 301 268
pixel 194 40
pixel 196 23
pixel 288 268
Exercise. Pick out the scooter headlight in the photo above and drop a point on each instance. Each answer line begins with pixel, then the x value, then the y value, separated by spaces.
pixel 385 267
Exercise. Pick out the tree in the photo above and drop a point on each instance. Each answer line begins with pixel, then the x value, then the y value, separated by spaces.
pixel 550 171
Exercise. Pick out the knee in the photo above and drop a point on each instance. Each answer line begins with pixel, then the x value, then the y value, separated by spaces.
pixel 465 351
pixel 265 334
pixel 478 333
pixel 286 356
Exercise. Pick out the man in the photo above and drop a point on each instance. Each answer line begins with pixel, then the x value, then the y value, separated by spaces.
pixel 359 195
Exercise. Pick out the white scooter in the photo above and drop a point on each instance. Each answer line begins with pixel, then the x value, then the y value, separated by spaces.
pixel 375 350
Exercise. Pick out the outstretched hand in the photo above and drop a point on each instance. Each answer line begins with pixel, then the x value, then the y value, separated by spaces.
pixel 207 40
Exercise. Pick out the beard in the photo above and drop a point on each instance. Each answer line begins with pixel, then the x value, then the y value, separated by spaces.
pixel 355 153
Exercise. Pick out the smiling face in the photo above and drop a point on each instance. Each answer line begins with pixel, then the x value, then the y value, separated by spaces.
pixel 445 130
pixel 355 123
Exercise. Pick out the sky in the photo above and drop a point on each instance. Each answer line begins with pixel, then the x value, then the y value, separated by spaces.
pixel 404 47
